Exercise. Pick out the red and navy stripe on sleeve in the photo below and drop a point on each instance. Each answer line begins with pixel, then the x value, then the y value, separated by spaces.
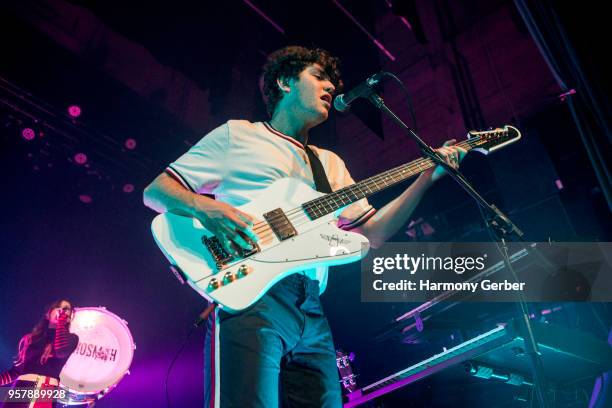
pixel 177 177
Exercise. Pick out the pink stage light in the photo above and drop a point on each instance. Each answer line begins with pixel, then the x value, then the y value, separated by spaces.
pixel 128 188
pixel 85 198
pixel 130 144
pixel 80 158
pixel 559 184
pixel 28 133
pixel 74 111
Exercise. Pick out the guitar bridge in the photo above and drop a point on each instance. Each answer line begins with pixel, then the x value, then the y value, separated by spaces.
pixel 221 257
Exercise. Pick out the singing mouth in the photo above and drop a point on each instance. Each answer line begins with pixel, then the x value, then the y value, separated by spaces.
pixel 327 98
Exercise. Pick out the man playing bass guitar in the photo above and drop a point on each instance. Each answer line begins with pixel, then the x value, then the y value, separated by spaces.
pixel 283 341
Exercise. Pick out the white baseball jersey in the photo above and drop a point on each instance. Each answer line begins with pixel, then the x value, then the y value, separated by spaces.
pixel 239 159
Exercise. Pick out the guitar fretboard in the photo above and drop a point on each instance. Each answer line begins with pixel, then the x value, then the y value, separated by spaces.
pixel 331 202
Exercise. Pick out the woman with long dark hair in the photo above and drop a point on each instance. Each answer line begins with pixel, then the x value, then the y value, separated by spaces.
pixel 42 353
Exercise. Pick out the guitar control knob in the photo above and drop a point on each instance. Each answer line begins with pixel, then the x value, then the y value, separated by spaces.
pixel 213 284
pixel 229 277
pixel 243 270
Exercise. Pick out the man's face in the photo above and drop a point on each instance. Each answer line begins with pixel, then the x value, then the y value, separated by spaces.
pixel 311 94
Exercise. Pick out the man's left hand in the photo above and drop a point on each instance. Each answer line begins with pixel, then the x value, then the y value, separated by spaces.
pixel 452 155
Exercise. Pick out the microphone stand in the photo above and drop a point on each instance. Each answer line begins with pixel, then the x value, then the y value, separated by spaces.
pixel 502 227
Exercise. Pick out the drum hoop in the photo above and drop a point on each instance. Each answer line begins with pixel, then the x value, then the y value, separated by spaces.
pixel 118 379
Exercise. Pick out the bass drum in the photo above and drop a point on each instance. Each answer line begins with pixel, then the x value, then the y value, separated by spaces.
pixel 103 356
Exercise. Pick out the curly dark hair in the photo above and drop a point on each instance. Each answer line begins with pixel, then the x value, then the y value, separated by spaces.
pixel 288 62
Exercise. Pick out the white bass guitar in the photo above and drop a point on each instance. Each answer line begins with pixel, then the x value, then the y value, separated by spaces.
pixel 296 228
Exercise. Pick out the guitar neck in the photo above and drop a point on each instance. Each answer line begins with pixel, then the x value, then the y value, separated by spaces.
pixel 331 202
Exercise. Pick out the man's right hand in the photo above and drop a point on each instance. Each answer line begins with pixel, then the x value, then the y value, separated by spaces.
pixel 225 222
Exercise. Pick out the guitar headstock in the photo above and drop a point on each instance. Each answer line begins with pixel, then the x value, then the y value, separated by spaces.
pixel 488 141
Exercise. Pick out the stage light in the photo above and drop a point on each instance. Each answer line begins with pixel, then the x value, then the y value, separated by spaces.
pixel 74 111
pixel 128 188
pixel 80 158
pixel 28 133
pixel 130 144
pixel 85 198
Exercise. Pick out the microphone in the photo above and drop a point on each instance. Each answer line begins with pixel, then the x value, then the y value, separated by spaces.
pixel 343 102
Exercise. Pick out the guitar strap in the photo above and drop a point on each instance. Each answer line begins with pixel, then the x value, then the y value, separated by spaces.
pixel 318 173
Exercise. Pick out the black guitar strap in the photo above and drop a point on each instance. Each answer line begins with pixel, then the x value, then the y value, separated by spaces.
pixel 318 173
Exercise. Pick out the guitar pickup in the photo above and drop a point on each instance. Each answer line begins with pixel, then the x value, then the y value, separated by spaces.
pixel 280 224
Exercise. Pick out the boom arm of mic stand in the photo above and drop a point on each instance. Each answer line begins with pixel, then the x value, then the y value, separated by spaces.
pixel 500 222
pixel 501 225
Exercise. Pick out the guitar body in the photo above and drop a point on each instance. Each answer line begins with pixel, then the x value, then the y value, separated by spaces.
pixel 241 282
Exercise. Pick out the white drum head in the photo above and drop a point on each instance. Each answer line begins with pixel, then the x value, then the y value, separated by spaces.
pixel 104 353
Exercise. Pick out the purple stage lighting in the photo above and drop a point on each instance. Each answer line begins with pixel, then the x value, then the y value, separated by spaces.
pixel 85 198
pixel 128 188
pixel 74 111
pixel 28 133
